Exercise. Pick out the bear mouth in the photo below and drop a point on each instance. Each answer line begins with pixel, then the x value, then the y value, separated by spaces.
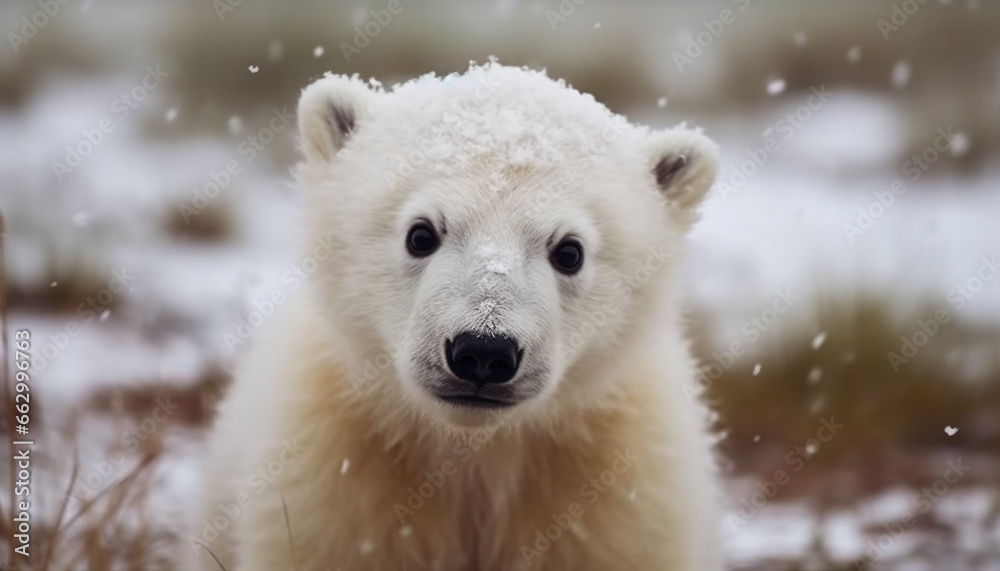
pixel 475 401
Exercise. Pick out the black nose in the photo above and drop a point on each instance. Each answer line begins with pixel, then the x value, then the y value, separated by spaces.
pixel 483 359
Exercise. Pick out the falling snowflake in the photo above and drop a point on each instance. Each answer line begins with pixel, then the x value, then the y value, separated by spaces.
pixel 959 144
pixel 81 219
pixel 171 115
pixel 756 369
pixel 854 54
pixel 756 439
pixel 775 86
pixel 253 69
pixel 800 38
pixel 900 74
pixel 597 26
pixel 406 531
pixel 815 374
pixel 811 449
pixel 105 314
pixel 345 465
pixel 818 340
pixel 661 102
pixel 366 547
pixel 318 51
pixel 817 405
pixel 950 430
pixel 53 284
pixel 235 124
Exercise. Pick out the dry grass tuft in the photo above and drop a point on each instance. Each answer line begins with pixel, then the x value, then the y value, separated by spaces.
pixel 886 414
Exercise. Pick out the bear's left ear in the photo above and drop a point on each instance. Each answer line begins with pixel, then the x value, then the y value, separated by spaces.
pixel 330 110
pixel 684 163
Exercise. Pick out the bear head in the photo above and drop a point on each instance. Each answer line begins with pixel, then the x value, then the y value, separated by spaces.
pixel 498 240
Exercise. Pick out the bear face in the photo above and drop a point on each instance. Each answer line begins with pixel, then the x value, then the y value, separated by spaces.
pixel 496 238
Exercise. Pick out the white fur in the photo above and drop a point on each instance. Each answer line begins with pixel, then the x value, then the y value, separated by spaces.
pixel 506 160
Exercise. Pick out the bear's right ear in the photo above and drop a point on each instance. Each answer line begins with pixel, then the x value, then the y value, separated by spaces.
pixel 330 110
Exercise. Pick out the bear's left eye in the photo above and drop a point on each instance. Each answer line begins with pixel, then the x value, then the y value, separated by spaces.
pixel 422 240
pixel 567 257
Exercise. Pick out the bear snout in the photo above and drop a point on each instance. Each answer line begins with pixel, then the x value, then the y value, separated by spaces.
pixel 483 359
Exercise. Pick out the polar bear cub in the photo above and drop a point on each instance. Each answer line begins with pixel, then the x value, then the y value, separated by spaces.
pixel 487 369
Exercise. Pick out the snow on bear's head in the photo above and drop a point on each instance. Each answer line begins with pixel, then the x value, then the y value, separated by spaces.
pixel 498 239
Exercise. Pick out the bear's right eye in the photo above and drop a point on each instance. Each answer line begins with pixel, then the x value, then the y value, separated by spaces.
pixel 567 257
pixel 422 240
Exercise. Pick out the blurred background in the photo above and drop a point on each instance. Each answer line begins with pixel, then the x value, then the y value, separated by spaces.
pixel 844 287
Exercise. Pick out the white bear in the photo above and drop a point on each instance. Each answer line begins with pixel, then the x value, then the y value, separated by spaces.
pixel 486 369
